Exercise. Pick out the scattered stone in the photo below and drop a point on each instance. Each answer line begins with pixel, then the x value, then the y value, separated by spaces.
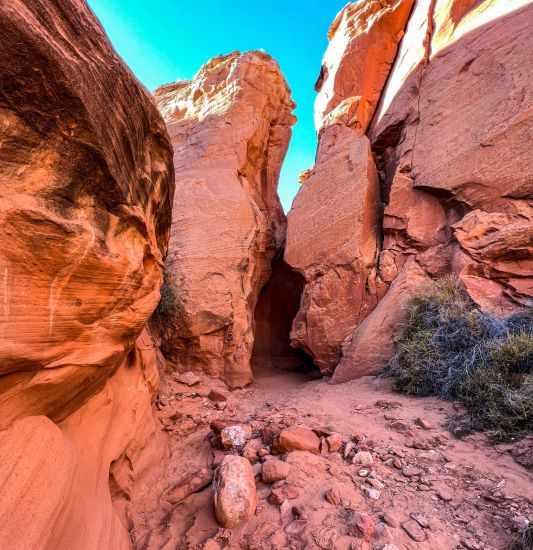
pixel 333 496
pixel 235 496
pixel 371 493
pixel 364 458
pixel 390 520
pixel 251 450
pixel 188 378
pixel 445 494
pixel 334 442
pixel 390 547
pixel 420 518
pixel 263 452
pixel 211 545
pixel 471 544
pixel 376 483
pixel 400 426
pixel 413 529
pixel 257 469
pixel 411 471
pixel 397 463
pixel 424 424
pixel 363 472
pixel 275 470
pixel 283 492
pixel 365 525
pixel 348 449
pixel 217 396
pixel 235 437
pixel 298 438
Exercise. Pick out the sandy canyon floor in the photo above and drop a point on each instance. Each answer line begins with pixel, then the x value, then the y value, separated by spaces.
pixel 424 489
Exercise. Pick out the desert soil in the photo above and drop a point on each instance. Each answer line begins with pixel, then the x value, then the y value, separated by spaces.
pixel 425 489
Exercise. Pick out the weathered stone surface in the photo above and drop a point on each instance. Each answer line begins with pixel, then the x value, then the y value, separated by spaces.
pixel 274 470
pixel 230 128
pixel 86 181
pixel 235 495
pixel 455 183
pixel 332 240
pixel 363 43
pixel 459 61
pixel 372 343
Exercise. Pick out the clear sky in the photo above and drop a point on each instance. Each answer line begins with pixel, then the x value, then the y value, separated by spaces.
pixel 166 40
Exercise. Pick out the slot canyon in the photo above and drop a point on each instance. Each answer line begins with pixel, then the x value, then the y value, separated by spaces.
pixel 183 365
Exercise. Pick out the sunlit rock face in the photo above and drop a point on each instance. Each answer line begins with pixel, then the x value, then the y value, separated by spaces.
pixel 86 183
pixel 449 120
pixel 333 226
pixel 230 127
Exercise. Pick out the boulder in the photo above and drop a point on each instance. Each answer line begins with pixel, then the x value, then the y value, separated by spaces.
pixel 235 495
pixel 298 438
pixel 230 127
pixel 274 470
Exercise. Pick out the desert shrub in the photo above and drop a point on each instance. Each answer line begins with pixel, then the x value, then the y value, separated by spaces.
pixel 168 306
pixel 452 349
pixel 524 539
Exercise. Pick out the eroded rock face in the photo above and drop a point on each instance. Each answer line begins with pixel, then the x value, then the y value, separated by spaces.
pixel 455 184
pixel 86 183
pixel 332 241
pixel 230 128
pixel 364 39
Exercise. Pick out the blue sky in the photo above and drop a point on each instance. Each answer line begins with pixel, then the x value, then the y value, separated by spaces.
pixel 167 40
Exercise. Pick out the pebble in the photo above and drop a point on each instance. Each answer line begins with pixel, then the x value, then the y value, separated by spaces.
pixel 445 494
pixel 364 458
pixel 413 529
pixel 371 493
pixel 188 378
pixel 421 519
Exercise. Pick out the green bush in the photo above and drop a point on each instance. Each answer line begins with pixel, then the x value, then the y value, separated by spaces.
pixel 168 306
pixel 451 349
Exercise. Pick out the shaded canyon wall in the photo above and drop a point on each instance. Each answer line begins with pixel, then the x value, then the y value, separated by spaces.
pixel 86 188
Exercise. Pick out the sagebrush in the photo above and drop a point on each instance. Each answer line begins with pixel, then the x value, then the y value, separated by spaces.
pixel 452 349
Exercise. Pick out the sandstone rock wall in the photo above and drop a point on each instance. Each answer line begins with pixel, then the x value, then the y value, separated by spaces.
pixel 230 127
pixel 86 184
pixel 449 118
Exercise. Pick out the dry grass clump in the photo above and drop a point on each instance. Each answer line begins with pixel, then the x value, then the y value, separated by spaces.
pixel 524 540
pixel 451 349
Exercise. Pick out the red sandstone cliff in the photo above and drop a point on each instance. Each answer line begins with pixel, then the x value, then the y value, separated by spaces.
pixel 86 183
pixel 439 91
pixel 230 127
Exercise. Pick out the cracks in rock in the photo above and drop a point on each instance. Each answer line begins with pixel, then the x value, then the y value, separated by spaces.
pixel 422 69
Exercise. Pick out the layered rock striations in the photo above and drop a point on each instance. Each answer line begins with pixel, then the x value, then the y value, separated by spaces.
pixel 448 116
pixel 86 187
pixel 230 127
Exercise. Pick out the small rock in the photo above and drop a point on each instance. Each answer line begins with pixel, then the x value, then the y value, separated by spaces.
pixel 400 426
pixel 363 472
pixel 263 452
pixel 217 396
pixel 424 424
pixel 334 442
pixel 188 378
pixel 471 544
pixel 520 523
pixel 333 496
pixel 298 438
pixel 445 494
pixel 413 529
pixel 390 520
pixel 257 469
pixel 348 449
pixel 390 547
pixel 364 458
pixel 235 496
pixel 376 483
pixel 275 470
pixel 411 471
pixel 420 519
pixel 211 545
pixel 235 437
pixel 397 463
pixel 365 525
pixel 281 493
pixel 371 493
pixel 221 405
pixel 251 450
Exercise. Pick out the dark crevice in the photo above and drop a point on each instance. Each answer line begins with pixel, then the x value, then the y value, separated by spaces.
pixel 276 308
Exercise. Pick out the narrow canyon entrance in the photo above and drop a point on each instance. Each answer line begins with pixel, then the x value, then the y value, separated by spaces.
pixel 276 308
